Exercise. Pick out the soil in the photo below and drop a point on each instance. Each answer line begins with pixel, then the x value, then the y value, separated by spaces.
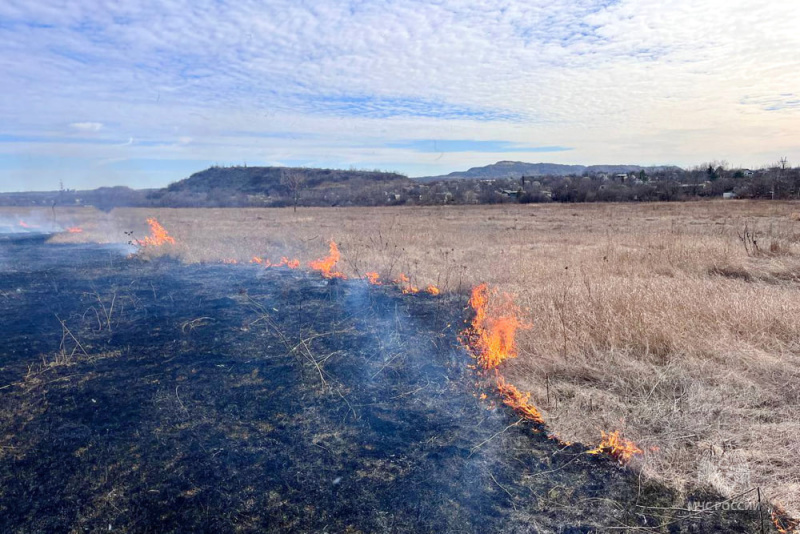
pixel 152 396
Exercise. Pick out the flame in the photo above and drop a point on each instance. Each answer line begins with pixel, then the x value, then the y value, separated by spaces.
pixel 229 261
pixel 783 524
pixel 74 230
pixel 158 235
pixel 26 225
pixel 519 401
pixel 407 287
pixel 285 262
pixel 555 437
pixel 617 447
pixel 373 278
pixel 493 338
pixel 432 289
pixel 495 335
pixel 326 265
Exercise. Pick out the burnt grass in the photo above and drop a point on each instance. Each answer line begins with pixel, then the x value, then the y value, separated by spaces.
pixel 151 396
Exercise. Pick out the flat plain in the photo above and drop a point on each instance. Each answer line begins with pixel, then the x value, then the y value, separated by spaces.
pixel 677 324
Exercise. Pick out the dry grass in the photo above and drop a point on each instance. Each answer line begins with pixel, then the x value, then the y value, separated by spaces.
pixel 663 320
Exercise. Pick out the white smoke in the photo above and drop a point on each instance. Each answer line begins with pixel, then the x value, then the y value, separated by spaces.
pixel 30 222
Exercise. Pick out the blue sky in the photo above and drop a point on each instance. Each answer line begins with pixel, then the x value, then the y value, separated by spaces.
pixel 102 92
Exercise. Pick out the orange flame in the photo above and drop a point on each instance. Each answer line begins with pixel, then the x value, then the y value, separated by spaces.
pixel 327 264
pixel 74 230
pixel 433 290
pixel 373 278
pixel 783 524
pixel 229 261
pixel 617 447
pixel 158 235
pixel 285 262
pixel 407 287
pixel 26 225
pixel 519 401
pixel 495 335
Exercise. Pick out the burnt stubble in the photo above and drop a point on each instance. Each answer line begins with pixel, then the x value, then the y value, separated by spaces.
pixel 153 396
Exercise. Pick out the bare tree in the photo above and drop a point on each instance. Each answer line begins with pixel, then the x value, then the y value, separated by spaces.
pixel 293 180
pixel 778 173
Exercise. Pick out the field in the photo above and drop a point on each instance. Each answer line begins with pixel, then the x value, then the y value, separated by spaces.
pixel 677 324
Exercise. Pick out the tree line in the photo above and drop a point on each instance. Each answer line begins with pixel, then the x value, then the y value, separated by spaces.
pixel 282 187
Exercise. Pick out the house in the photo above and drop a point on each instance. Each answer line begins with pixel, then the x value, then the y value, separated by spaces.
pixel 728 195
pixel 510 193
pixel 748 172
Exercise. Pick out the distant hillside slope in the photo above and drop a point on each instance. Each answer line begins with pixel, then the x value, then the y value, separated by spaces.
pixel 221 186
pixel 516 169
pixel 272 180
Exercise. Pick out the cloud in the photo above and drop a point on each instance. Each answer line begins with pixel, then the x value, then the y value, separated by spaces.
pixel 350 82
pixel 782 102
pixel 86 126
pixel 461 145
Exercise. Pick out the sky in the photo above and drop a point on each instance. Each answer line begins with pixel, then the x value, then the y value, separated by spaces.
pixel 116 92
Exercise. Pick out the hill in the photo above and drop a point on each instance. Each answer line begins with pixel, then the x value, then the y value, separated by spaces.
pixel 516 169
pixel 279 186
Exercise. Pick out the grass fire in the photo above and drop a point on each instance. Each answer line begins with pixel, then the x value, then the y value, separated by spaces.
pixel 351 375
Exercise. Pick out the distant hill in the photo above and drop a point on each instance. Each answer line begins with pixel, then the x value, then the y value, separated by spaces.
pixel 274 180
pixel 517 169
pixel 276 186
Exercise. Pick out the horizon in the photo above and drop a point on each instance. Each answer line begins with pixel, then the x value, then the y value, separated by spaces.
pixel 355 169
pixel 104 95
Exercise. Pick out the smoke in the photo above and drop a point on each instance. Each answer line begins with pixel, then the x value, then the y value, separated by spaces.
pixel 31 222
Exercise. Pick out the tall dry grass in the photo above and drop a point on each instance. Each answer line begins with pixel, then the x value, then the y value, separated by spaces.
pixel 677 323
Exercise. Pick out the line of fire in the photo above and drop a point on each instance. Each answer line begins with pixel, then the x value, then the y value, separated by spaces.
pixel 277 394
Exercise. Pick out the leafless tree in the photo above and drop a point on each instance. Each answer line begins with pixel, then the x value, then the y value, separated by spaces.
pixel 293 180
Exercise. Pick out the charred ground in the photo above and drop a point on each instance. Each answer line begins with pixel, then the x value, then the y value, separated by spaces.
pixel 154 396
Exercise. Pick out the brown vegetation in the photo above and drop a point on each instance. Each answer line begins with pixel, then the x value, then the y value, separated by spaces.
pixel 677 324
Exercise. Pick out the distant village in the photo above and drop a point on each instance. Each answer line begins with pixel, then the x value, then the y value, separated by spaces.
pixel 779 182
